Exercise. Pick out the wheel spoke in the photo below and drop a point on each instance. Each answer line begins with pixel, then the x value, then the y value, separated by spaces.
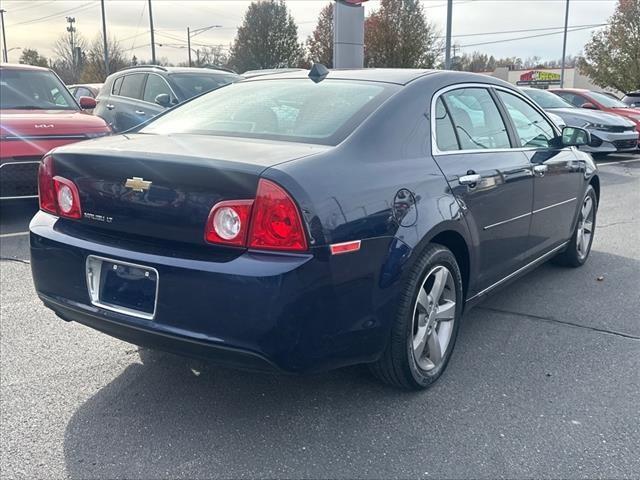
pixel 583 243
pixel 435 353
pixel 439 281
pixel 423 301
pixel 419 342
pixel 446 311
pixel 586 208
pixel 587 226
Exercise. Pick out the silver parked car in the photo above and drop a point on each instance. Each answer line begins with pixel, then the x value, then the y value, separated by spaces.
pixel 610 133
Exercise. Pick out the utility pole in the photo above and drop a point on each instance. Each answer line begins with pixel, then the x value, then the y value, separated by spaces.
pixel 153 41
pixel 5 57
pixel 74 57
pixel 447 50
pixel 104 38
pixel 564 44
pixel 189 44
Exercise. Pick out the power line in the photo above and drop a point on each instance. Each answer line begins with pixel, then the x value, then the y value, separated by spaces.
pixel 31 5
pixel 525 37
pixel 133 44
pixel 593 25
pixel 46 17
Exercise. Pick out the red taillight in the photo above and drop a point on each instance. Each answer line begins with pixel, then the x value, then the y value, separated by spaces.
pixel 270 222
pixel 275 221
pixel 57 195
pixel 46 190
pixel 228 223
pixel 68 198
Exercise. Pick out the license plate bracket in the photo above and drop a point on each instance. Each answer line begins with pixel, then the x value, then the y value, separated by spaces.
pixel 122 287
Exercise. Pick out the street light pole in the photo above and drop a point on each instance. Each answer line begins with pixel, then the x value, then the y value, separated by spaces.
pixel 193 33
pixel 4 38
pixel 153 42
pixel 447 52
pixel 189 44
pixel 104 38
pixel 564 44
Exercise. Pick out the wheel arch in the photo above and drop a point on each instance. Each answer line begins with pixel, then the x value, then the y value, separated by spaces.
pixel 449 235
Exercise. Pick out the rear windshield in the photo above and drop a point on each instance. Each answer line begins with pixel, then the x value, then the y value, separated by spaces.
pixel 192 84
pixel 297 110
pixel 33 90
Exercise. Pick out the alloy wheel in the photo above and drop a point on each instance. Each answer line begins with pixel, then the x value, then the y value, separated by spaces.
pixel 585 227
pixel 433 318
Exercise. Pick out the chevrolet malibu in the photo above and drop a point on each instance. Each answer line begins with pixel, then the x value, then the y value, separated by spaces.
pixel 306 221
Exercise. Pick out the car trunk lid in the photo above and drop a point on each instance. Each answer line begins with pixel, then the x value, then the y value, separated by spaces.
pixel 164 187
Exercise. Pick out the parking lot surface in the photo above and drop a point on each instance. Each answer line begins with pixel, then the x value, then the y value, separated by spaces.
pixel 544 382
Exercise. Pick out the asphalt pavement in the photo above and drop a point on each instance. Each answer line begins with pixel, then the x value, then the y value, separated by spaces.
pixel 544 383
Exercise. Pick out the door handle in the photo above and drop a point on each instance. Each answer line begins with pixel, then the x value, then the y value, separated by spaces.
pixel 540 170
pixel 110 107
pixel 140 112
pixel 471 180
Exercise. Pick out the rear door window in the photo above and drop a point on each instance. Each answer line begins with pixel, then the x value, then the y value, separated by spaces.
pixel 132 85
pixel 476 119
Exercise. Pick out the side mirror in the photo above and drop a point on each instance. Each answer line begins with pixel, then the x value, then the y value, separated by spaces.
pixel 164 100
pixel 575 137
pixel 589 105
pixel 87 103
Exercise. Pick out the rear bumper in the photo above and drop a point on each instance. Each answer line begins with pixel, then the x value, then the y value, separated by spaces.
pixel 181 345
pixel 294 313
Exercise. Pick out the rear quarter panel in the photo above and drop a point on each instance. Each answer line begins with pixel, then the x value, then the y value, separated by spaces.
pixel 379 186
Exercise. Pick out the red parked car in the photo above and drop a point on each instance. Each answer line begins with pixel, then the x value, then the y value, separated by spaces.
pixel 599 101
pixel 37 113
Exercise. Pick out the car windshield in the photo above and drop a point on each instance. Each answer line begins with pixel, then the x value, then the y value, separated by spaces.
pixel 192 84
pixel 545 99
pixel 607 101
pixel 33 89
pixel 297 110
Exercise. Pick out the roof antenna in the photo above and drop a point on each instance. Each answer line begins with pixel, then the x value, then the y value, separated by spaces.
pixel 318 72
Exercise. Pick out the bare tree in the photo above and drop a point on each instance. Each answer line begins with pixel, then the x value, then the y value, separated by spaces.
pixel 70 56
pixel 94 69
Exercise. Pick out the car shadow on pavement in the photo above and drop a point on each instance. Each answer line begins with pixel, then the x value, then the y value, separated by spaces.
pixel 162 419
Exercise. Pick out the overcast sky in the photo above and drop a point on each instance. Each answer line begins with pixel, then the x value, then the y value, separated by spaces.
pixel 37 23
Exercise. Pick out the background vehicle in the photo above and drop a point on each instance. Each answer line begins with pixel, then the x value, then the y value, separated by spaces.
pixel 136 94
pixel 37 113
pixel 85 90
pixel 304 224
pixel 609 133
pixel 632 99
pixel 598 101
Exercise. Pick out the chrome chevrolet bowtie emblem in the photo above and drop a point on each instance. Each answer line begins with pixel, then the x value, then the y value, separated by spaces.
pixel 137 184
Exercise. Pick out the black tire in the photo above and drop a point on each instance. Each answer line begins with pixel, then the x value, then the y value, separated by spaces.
pixel 571 256
pixel 397 366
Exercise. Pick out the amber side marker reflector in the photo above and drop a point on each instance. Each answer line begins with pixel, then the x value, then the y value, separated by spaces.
pixel 347 247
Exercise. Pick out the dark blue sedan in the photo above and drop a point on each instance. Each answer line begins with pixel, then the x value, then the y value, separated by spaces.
pixel 306 221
